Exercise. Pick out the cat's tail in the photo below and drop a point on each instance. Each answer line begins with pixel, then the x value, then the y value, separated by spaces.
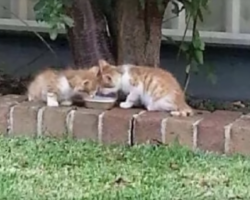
pixel 183 110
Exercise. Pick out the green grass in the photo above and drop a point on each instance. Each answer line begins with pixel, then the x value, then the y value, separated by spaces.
pixel 65 169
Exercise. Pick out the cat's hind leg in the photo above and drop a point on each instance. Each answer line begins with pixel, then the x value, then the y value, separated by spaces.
pixel 160 106
pixel 131 100
pixel 52 100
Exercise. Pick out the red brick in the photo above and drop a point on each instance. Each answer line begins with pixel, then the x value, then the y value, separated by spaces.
pixel 85 124
pixel 6 102
pixel 148 127
pixel 12 98
pixel 181 129
pixel 239 138
pixel 25 119
pixel 117 124
pixel 211 130
pixel 54 121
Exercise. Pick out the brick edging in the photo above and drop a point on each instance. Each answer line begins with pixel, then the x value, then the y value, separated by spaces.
pixel 220 131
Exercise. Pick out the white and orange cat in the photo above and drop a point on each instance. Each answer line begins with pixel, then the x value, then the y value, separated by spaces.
pixel 155 88
pixel 58 87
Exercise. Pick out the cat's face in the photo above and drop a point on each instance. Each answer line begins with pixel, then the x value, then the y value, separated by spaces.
pixel 87 82
pixel 109 78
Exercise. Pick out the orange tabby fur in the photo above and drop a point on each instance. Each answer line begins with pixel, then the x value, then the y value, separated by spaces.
pixel 155 88
pixel 62 85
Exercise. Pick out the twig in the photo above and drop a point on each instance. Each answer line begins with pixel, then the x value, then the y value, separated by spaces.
pixel 187 76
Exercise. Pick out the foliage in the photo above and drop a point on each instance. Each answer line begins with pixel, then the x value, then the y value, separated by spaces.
pixel 53 13
pixel 193 50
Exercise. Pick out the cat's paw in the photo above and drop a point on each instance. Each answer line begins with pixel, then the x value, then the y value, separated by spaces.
pixel 150 108
pixel 175 113
pixel 66 103
pixel 182 113
pixel 52 104
pixel 126 105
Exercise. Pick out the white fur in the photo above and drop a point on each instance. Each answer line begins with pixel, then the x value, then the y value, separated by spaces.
pixel 66 103
pixel 66 92
pixel 64 97
pixel 52 100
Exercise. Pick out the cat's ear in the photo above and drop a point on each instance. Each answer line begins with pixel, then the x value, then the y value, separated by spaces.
pixel 96 70
pixel 85 83
pixel 102 63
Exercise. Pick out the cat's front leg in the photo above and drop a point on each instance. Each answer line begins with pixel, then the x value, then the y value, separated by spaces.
pixel 131 99
pixel 52 100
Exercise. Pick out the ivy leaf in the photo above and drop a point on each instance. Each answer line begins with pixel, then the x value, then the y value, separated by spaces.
pixel 198 55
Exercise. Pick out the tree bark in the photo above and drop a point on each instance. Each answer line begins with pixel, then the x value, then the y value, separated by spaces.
pixel 139 31
pixel 88 39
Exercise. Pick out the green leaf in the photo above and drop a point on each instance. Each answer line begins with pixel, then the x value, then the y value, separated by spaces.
pixel 199 15
pixel 198 55
pixel 195 5
pixel 197 42
pixel 53 33
pixel 68 20
pixel 188 7
pixel 175 9
pixel 39 5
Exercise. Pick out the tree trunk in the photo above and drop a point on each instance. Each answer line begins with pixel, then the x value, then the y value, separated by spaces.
pixel 88 39
pixel 139 31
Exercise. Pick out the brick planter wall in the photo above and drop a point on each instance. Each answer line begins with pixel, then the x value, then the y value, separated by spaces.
pixel 220 131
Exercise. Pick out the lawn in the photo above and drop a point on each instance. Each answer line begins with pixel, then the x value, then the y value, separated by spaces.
pixel 52 169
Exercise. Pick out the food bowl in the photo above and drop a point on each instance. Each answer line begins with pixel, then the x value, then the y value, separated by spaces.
pixel 100 102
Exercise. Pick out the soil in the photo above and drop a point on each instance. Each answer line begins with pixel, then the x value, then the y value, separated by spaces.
pixel 14 85
pixel 212 105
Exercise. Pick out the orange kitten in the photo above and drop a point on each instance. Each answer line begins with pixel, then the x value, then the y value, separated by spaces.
pixel 58 87
pixel 155 88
